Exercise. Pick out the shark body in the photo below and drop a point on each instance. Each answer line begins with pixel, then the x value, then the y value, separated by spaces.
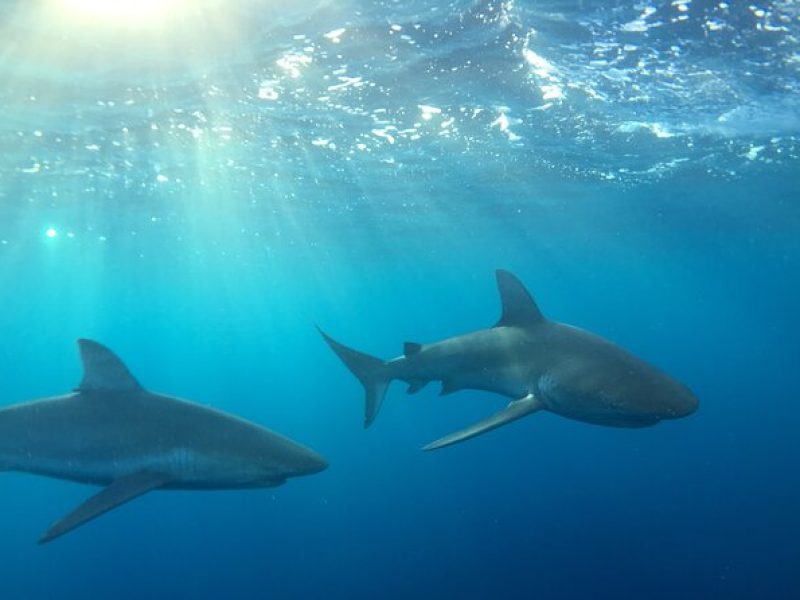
pixel 112 432
pixel 538 363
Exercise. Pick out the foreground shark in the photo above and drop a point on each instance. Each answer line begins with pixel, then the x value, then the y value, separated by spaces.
pixel 114 433
pixel 540 364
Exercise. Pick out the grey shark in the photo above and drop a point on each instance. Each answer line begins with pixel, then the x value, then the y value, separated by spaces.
pixel 114 433
pixel 538 363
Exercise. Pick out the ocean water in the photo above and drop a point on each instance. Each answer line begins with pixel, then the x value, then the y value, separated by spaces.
pixel 197 185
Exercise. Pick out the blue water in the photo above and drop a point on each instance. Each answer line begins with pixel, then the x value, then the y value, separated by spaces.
pixel 197 190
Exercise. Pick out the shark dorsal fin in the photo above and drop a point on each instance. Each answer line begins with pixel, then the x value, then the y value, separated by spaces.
pixel 103 370
pixel 519 308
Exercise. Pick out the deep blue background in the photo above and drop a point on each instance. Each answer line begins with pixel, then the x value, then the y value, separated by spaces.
pixel 219 187
pixel 702 507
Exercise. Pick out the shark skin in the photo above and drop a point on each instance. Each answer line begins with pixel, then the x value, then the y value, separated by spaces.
pixel 112 432
pixel 538 363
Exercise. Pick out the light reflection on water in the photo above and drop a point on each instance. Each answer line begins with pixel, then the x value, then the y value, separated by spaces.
pixel 546 90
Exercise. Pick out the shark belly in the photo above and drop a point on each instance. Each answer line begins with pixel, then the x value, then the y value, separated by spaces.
pixel 510 382
pixel 596 407
pixel 95 470
pixel 70 447
pixel 186 468
pixel 61 438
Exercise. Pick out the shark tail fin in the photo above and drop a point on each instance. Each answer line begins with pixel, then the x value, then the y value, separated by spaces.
pixel 369 370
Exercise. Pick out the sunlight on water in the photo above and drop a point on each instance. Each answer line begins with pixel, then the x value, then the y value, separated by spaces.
pixel 189 105
pixel 143 12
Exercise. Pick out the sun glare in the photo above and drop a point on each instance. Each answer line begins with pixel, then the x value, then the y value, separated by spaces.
pixel 120 11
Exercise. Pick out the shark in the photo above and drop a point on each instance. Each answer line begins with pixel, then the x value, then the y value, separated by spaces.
pixel 540 364
pixel 112 432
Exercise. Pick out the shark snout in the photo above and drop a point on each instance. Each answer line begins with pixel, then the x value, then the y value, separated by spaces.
pixel 682 403
pixel 309 462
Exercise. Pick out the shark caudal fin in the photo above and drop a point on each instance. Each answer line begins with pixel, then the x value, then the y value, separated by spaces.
pixel 370 371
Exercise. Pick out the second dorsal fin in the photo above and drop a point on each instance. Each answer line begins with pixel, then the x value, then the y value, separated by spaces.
pixel 103 370
pixel 519 308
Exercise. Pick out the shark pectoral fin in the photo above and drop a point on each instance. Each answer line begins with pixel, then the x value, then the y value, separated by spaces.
pixel 120 491
pixel 512 412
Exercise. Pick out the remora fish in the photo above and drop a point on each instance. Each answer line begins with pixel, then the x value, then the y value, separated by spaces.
pixel 540 364
pixel 114 433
